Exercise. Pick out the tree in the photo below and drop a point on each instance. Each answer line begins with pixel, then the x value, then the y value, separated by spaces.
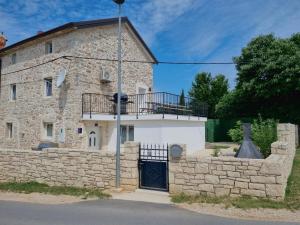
pixel 269 66
pixel 268 80
pixel 182 98
pixel 207 89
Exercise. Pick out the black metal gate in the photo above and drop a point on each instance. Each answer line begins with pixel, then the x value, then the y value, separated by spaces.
pixel 154 167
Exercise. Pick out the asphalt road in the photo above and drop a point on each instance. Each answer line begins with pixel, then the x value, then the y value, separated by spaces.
pixel 109 212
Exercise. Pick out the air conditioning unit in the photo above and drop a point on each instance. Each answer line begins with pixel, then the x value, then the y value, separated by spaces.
pixel 105 76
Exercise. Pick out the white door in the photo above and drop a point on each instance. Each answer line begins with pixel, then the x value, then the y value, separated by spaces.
pixel 94 138
pixel 142 99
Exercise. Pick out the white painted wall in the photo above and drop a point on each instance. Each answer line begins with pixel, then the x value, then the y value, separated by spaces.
pixel 191 133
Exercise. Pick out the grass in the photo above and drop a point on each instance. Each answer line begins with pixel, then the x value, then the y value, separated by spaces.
pixel 217 149
pixel 220 146
pixel 35 187
pixel 291 201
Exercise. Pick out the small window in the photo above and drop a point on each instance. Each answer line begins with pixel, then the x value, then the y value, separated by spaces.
pixel 9 130
pixel 13 92
pixel 127 133
pixel 14 58
pixel 48 127
pixel 48 47
pixel 131 133
pixel 123 134
pixel 48 86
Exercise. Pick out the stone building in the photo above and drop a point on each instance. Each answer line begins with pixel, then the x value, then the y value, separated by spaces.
pixel 58 86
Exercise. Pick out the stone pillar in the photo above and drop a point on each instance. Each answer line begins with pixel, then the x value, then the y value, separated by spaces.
pixel 175 183
pixel 286 132
pixel 129 166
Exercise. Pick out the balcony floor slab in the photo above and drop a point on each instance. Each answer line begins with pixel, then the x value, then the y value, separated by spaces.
pixel 105 117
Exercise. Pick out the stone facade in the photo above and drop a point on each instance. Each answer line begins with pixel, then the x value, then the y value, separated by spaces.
pixel 32 109
pixel 69 167
pixel 218 176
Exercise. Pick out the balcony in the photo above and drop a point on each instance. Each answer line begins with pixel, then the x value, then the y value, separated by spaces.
pixel 159 103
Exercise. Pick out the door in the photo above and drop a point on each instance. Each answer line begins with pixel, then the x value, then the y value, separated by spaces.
pixel 94 138
pixel 142 99
pixel 153 175
pixel 153 167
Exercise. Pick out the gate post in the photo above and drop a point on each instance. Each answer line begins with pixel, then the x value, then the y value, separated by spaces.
pixel 174 166
pixel 129 166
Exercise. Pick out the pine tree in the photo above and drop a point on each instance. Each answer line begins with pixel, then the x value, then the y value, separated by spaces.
pixel 182 98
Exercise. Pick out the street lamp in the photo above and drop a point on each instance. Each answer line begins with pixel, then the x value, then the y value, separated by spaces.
pixel 118 173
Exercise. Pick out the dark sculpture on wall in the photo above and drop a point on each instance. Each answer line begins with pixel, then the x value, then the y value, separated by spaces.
pixel 247 148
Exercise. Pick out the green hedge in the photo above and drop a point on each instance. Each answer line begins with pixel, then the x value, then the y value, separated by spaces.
pixel 217 129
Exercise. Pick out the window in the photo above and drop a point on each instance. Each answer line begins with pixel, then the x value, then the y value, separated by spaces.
pixel 92 139
pixel 9 130
pixel 48 86
pixel 48 127
pixel 14 58
pixel 127 133
pixel 13 92
pixel 48 47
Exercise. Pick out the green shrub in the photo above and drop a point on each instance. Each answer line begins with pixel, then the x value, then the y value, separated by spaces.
pixel 264 133
pixel 236 133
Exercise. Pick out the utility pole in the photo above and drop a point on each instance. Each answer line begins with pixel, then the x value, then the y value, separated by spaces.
pixel 118 150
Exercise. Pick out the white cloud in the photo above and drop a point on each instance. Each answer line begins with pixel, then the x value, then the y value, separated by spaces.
pixel 155 16
pixel 235 22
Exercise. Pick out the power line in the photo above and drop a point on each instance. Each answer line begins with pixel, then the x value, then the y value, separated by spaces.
pixel 69 57
pixel 31 67
pixel 196 63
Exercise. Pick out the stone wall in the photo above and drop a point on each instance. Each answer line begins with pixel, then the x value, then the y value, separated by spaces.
pixel 32 108
pixel 218 176
pixel 69 167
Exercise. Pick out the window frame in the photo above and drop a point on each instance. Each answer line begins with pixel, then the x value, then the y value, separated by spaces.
pixel 9 130
pixel 48 47
pixel 45 130
pixel 46 81
pixel 127 134
pixel 13 92
pixel 13 58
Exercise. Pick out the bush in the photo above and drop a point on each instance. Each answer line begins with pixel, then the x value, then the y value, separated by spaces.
pixel 264 133
pixel 236 133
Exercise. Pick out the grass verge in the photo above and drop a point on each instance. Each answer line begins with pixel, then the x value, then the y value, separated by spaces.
pixel 291 201
pixel 35 187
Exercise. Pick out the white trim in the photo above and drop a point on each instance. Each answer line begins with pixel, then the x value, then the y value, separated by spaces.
pixel 103 117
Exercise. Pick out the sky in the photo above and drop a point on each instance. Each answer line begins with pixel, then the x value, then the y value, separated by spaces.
pixel 175 30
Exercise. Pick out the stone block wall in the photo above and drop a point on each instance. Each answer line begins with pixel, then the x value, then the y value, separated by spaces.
pixel 69 167
pixel 63 109
pixel 219 176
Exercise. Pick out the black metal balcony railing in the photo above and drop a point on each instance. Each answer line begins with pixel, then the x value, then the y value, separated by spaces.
pixel 141 104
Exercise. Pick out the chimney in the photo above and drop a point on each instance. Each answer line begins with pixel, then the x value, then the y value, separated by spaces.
pixel 2 40
pixel 248 149
pixel 39 32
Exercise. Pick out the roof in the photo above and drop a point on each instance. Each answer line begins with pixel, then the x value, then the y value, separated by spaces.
pixel 81 25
